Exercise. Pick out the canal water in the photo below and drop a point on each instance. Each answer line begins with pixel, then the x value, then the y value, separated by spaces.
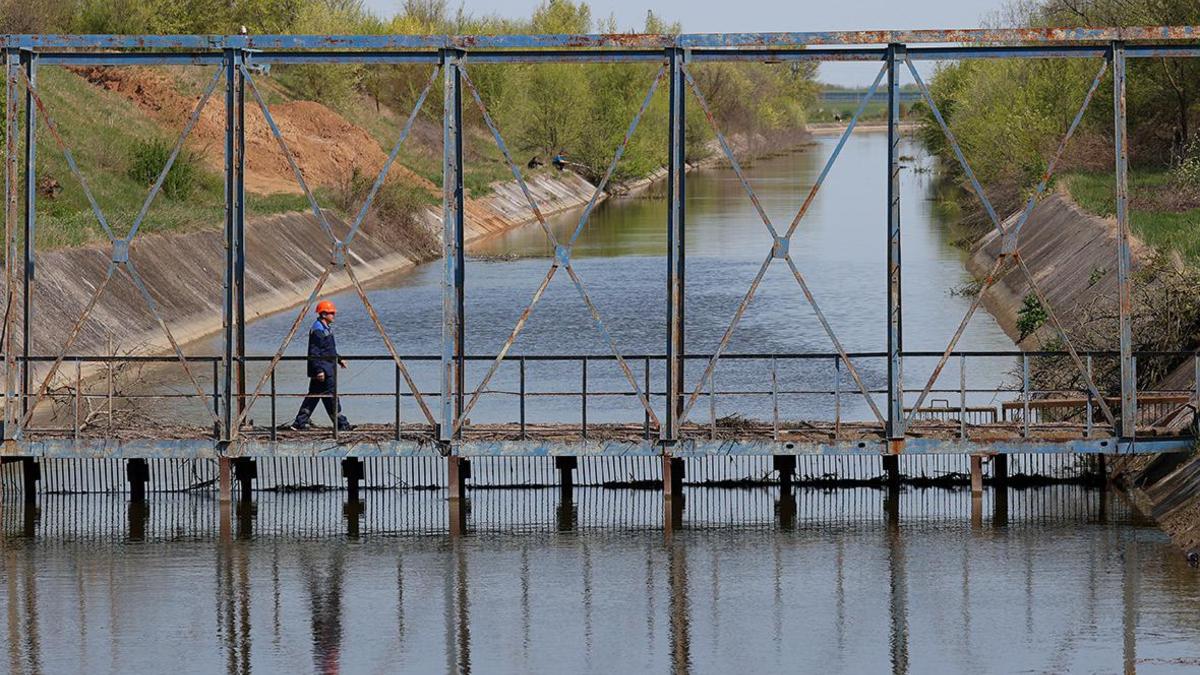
pixel 1067 580
pixel 1059 578
pixel 620 256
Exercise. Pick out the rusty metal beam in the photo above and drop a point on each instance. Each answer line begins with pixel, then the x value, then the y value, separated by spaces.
pixel 11 65
pixel 676 252
pixel 29 61
pixel 452 253
pixel 617 41
pixel 895 314
pixel 1124 262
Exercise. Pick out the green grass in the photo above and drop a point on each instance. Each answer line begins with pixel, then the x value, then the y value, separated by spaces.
pixel 1166 231
pixel 825 111
pixel 108 137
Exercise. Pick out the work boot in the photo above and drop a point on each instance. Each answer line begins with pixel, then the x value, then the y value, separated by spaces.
pixel 344 425
pixel 298 426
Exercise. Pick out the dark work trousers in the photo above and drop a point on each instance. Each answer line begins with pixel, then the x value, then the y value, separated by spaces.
pixel 321 390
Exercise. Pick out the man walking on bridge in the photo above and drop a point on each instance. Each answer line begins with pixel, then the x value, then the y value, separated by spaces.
pixel 322 373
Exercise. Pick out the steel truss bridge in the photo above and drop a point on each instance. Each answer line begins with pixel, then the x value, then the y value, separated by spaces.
pixel 675 415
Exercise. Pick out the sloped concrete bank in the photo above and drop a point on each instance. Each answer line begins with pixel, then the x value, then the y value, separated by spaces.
pixel 1071 254
pixel 1073 257
pixel 285 256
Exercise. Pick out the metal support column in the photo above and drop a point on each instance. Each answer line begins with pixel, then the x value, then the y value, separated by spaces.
pixel 228 311
pixel 453 362
pixel 29 62
pixel 224 464
pixel 676 263
pixel 895 338
pixel 1124 290
pixel 11 65
pixel 239 226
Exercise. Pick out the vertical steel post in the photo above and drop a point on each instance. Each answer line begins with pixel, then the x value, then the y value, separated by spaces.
pixel 962 396
pixel 774 400
pixel 1124 290
pixel 712 404
pixel 1088 428
pixel 239 222
pixel 11 64
pixel 453 363
pixel 649 400
pixel 399 398
pixel 676 145
pixel 837 397
pixel 29 61
pixel 228 310
pixel 895 338
pixel 1024 396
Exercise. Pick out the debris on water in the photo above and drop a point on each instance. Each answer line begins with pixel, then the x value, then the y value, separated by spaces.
pixel 495 257
pixel 734 421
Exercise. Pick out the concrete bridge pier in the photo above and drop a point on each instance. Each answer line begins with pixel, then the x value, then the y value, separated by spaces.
pixel 245 470
pixel 976 476
pixel 458 471
pixel 673 472
pixel 785 465
pixel 352 471
pixel 891 471
pixel 1000 470
pixel 137 474
pixel 31 473
pixel 566 475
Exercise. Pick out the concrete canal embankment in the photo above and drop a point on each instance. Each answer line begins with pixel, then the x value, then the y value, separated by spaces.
pixel 285 255
pixel 1073 257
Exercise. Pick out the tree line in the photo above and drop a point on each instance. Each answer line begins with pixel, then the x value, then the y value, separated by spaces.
pixel 583 109
pixel 1009 115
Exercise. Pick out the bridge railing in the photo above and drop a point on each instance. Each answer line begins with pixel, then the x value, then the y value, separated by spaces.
pixel 572 397
pixel 772 399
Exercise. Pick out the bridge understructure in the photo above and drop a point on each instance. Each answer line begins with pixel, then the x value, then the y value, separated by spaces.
pixel 672 397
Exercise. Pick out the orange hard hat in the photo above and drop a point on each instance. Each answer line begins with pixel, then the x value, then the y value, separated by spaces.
pixel 326 307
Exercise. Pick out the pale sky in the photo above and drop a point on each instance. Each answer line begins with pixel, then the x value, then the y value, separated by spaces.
pixel 766 16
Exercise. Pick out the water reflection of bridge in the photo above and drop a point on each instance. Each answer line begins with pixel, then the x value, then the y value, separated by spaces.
pixel 841 570
pixel 668 393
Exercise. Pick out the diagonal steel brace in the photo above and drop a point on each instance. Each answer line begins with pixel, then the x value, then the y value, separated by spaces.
pixel 780 245
pixel 340 248
pixel 120 247
pixel 562 253
pixel 1010 242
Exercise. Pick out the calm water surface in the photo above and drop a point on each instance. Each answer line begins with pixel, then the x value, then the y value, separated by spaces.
pixel 840 247
pixel 1062 579
pixel 829 582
